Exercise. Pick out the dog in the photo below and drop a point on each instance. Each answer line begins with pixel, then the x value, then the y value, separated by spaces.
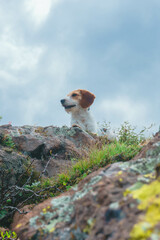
pixel 78 103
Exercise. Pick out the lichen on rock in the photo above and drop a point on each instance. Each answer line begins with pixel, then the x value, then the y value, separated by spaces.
pixel 118 202
pixel 148 196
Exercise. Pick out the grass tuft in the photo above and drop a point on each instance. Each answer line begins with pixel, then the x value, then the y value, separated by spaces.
pixel 97 158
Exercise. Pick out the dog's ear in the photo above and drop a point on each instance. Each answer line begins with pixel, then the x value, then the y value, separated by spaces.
pixel 87 98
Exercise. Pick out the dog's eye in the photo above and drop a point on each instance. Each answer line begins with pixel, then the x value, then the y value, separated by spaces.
pixel 74 95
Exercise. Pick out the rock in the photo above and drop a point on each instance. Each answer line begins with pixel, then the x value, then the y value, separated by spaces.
pixel 28 152
pixel 118 202
pixel 43 144
pixel 29 145
pixel 15 171
pixel 18 217
pixel 150 147
pixel 12 166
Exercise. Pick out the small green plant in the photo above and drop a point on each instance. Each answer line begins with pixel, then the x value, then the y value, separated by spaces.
pixel 63 178
pixel 68 187
pixel 7 141
pixel 129 135
pixel 8 235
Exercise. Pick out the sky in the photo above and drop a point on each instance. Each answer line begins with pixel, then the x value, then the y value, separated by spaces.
pixel 51 47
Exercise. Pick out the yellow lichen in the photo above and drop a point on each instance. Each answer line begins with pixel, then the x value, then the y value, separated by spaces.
pixel 128 191
pixel 19 225
pixel 52 230
pixel 119 173
pixel 149 197
pixel 150 175
pixel 44 210
pixel 134 187
pixel 140 232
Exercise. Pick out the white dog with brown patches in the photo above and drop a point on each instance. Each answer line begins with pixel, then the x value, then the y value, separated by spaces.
pixel 77 103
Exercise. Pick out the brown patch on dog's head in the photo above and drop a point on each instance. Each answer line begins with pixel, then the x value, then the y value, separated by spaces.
pixel 87 98
pixel 83 97
pixel 75 95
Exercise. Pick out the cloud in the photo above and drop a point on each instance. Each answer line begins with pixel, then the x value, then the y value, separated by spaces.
pixel 61 65
pixel 20 56
pixel 34 106
pixel 15 57
pixel 7 79
pixel 44 99
pixel 122 108
pixel 39 10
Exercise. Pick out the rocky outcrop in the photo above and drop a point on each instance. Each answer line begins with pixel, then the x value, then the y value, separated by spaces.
pixel 118 202
pixel 54 145
pixel 28 154
pixel 13 167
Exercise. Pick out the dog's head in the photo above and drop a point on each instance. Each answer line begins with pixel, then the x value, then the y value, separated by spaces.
pixel 78 98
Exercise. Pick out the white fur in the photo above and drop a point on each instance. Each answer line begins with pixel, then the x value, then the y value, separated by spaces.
pixel 80 116
pixel 84 119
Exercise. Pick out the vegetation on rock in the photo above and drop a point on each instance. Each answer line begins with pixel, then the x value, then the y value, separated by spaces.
pixel 7 235
pixel 120 201
pixel 32 188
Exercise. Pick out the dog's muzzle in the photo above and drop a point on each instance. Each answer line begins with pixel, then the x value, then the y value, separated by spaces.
pixel 66 106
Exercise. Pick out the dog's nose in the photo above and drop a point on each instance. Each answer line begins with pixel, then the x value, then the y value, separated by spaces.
pixel 62 101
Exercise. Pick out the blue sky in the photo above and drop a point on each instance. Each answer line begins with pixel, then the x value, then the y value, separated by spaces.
pixel 51 47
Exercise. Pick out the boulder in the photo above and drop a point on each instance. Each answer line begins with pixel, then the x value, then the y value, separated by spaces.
pixel 119 202
pixel 50 145
pixel 15 172
pixel 28 153
pixel 13 165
